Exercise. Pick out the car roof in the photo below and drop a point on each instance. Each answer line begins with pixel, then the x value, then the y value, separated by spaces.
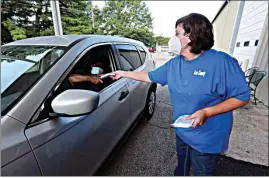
pixel 66 40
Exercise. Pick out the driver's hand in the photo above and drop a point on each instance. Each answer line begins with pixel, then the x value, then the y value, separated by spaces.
pixel 95 79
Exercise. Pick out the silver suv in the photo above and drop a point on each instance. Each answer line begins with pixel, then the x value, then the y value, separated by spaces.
pixel 51 126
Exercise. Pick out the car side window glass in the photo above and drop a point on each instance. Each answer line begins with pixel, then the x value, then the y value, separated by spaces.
pixel 143 53
pixel 85 75
pixel 129 57
pixel 126 65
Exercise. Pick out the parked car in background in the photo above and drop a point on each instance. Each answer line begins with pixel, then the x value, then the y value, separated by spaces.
pixel 171 54
pixel 50 128
pixel 152 49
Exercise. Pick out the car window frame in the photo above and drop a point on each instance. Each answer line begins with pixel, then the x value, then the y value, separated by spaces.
pixel 118 53
pixel 140 53
pixel 34 120
pixel 69 69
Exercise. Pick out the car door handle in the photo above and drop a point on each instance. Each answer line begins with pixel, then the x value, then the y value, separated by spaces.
pixel 134 81
pixel 123 95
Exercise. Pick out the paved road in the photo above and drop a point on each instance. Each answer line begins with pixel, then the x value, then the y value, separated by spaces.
pixel 150 149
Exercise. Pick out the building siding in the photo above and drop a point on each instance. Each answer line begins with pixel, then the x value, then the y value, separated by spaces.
pixel 250 29
pixel 249 41
pixel 261 61
pixel 224 26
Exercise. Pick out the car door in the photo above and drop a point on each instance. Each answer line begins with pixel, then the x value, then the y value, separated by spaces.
pixel 78 145
pixel 17 158
pixel 129 59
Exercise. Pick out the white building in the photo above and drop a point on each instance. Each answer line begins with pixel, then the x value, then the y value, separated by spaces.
pixel 249 31
pixel 241 29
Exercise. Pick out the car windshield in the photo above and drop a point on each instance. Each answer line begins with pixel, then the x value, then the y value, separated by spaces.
pixel 21 67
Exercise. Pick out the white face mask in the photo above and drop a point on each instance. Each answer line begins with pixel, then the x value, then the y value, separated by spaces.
pixel 97 70
pixel 175 45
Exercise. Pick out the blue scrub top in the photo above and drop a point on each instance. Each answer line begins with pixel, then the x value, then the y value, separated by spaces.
pixel 205 81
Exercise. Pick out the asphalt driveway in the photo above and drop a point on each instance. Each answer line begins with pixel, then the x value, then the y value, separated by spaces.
pixel 149 150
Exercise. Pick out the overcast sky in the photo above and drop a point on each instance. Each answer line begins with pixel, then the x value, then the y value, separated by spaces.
pixel 166 13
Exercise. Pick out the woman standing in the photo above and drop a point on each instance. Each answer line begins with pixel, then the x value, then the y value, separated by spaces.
pixel 204 83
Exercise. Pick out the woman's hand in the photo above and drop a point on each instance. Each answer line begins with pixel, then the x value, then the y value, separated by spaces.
pixel 225 106
pixel 138 76
pixel 117 75
pixel 199 117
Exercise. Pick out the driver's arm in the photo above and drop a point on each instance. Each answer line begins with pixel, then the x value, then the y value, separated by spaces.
pixel 75 78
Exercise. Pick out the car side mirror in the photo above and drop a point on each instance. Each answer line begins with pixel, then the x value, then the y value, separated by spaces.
pixel 75 102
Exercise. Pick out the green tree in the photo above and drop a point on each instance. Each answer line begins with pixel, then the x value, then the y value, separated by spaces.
pixel 76 17
pixel 161 40
pixel 141 34
pixel 24 19
pixel 14 16
pixel 128 18
pixel 42 19
pixel 16 32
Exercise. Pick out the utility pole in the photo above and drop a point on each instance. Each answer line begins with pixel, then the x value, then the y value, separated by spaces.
pixel 93 29
pixel 56 17
pixel 92 15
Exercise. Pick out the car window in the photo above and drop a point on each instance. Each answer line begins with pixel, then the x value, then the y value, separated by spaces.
pixel 83 75
pixel 21 67
pixel 126 64
pixel 98 59
pixel 143 53
pixel 129 57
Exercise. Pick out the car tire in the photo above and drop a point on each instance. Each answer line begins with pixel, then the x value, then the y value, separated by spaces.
pixel 150 104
